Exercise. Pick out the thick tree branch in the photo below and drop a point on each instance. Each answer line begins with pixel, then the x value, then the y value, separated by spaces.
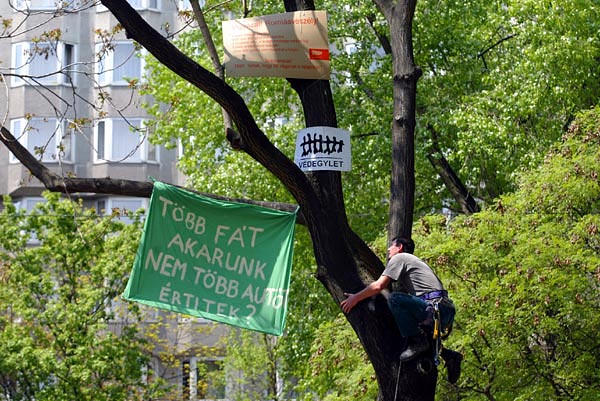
pixel 384 40
pixel 71 185
pixel 56 183
pixel 453 183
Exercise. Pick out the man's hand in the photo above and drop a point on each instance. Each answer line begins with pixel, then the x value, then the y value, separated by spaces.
pixel 350 302
pixel 372 289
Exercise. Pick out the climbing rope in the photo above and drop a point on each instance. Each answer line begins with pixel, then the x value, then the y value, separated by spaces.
pixel 397 380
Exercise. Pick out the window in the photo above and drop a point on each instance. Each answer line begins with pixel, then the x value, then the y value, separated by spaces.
pixel 151 371
pixel 29 203
pixel 118 140
pixel 144 4
pixel 47 4
pixel 44 63
pixel 186 5
pixel 138 5
pixel 121 207
pixel 202 379
pixel 36 5
pixel 47 139
pixel 186 144
pixel 119 65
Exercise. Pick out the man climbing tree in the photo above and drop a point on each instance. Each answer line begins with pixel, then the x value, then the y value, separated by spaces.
pixel 419 302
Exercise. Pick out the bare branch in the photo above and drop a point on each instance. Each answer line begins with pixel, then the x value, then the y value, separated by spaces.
pixel 503 39
pixel 384 40
pixel 210 44
pixel 212 51
pixel 482 53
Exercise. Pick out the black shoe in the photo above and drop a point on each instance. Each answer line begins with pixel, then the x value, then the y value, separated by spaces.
pixel 416 345
pixel 452 359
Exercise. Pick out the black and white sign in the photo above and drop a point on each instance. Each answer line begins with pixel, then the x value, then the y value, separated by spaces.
pixel 323 148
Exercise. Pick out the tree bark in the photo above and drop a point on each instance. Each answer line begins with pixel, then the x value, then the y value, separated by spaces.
pixel 406 74
pixel 457 189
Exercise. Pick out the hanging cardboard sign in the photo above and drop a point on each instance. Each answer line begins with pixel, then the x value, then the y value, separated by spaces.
pixel 323 148
pixel 224 261
pixel 291 45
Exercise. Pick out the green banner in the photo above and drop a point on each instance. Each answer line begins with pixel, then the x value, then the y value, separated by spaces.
pixel 223 261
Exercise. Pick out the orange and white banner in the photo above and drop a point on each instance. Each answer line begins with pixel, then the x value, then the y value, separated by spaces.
pixel 290 45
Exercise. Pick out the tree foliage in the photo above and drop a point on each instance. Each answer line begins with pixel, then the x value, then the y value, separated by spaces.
pixel 525 276
pixel 61 271
pixel 526 280
pixel 338 368
pixel 501 82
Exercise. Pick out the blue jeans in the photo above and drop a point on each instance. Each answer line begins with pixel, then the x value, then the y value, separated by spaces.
pixel 409 311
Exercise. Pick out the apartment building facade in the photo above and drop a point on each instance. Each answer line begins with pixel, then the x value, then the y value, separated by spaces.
pixel 69 96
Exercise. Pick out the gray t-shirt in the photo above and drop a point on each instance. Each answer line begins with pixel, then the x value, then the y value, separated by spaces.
pixel 411 275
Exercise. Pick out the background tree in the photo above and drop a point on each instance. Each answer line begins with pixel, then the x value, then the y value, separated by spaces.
pixel 335 373
pixel 57 298
pixel 525 276
pixel 502 81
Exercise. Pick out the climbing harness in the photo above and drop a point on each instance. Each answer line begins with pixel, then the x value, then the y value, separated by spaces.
pixel 438 334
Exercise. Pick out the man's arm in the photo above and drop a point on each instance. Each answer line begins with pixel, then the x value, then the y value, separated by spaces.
pixel 372 289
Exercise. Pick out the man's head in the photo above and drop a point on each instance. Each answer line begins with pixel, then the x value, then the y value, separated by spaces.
pixel 402 244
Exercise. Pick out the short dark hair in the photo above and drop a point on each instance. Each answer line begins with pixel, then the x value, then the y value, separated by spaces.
pixel 408 245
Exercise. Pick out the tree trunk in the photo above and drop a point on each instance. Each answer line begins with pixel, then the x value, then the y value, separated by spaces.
pixel 458 190
pixel 345 264
pixel 406 74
